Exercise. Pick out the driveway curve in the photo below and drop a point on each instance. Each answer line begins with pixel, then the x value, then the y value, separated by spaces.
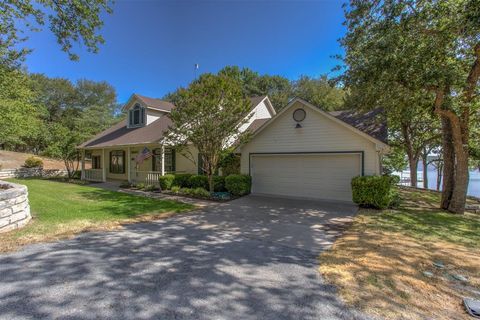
pixel 252 258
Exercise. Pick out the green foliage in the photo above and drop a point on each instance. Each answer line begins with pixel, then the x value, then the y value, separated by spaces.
pixel 374 191
pixel 175 189
pixel 194 192
pixel 207 114
pixel 320 92
pixel 33 162
pixel 166 181
pixel 150 187
pixel 18 116
pixel 230 163
pixel 395 160
pixel 219 184
pixel 198 181
pixel 70 22
pixel 140 185
pixel 182 180
pixel 238 184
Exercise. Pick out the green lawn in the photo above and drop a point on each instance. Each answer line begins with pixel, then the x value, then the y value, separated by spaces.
pixel 62 209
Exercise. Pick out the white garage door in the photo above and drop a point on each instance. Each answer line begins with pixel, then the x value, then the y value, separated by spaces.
pixel 319 176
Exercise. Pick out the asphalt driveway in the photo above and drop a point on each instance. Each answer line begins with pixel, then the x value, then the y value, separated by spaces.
pixel 252 258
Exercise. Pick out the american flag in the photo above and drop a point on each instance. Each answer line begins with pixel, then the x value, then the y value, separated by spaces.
pixel 145 154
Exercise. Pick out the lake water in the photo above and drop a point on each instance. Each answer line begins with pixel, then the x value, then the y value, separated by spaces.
pixel 473 185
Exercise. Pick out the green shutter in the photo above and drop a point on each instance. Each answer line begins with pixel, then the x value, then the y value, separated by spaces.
pixel 174 167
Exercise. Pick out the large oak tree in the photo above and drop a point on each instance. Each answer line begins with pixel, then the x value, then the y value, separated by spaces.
pixel 431 48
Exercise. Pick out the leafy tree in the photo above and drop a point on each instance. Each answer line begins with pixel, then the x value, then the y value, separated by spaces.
pixel 320 92
pixel 18 115
pixel 428 48
pixel 71 21
pixel 208 115
pixel 62 144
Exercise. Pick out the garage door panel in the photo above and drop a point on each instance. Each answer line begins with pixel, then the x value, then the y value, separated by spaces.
pixel 325 176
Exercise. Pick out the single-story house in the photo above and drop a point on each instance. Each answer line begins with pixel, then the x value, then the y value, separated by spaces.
pixel 302 151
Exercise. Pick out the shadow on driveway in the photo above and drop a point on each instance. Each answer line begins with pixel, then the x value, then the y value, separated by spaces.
pixel 253 258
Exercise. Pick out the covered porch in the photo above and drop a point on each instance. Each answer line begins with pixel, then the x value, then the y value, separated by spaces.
pixel 137 164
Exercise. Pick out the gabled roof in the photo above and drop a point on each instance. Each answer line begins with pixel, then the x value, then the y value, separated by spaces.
pixel 372 122
pixel 152 103
pixel 362 124
pixel 120 135
pixel 256 100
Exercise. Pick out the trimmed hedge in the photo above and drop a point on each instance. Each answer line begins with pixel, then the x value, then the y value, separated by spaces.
pixel 374 191
pixel 198 181
pixel 219 184
pixel 182 180
pixel 166 181
pixel 238 184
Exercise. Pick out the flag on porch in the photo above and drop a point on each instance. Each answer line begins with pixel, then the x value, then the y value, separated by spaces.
pixel 145 154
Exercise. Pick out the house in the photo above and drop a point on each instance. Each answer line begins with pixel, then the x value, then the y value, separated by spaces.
pixel 114 152
pixel 302 151
pixel 309 153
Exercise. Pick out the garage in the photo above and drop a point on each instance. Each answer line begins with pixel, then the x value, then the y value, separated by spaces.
pixel 306 152
pixel 308 175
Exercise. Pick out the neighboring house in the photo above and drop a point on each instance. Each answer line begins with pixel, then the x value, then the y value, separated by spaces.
pixel 309 153
pixel 113 152
pixel 300 152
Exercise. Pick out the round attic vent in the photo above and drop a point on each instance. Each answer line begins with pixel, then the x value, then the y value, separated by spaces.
pixel 299 115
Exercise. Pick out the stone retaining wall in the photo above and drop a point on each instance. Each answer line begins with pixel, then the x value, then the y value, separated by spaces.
pixel 31 173
pixel 14 206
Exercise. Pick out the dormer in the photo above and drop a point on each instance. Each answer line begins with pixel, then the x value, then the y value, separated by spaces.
pixel 141 110
pixel 136 116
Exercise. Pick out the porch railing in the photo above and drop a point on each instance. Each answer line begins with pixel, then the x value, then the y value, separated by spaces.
pixel 149 178
pixel 94 175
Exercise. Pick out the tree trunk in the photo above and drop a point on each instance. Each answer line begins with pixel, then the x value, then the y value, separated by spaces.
pixel 413 164
pixel 448 164
pixel 439 175
pixel 460 147
pixel 425 168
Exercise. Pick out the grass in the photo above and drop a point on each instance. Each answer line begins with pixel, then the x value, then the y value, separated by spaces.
pixel 378 265
pixel 60 210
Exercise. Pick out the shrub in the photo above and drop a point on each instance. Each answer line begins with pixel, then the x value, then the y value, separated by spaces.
pixel 238 184
pixel 198 181
pixel 150 187
pixel 175 189
pixel 166 181
pixel 140 185
pixel 33 162
pixel 182 180
pixel 200 192
pixel 219 184
pixel 374 191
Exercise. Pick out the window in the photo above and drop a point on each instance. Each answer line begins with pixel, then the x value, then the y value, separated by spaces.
pixel 136 116
pixel 169 160
pixel 96 162
pixel 117 161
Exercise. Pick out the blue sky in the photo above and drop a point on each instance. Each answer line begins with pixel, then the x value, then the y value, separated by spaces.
pixel 152 46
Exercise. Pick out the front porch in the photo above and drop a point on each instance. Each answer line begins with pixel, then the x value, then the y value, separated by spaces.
pixel 121 164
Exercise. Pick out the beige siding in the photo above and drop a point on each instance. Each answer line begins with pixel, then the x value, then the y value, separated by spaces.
pixel 184 164
pixel 318 134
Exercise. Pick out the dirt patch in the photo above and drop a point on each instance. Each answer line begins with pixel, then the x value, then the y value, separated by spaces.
pixel 15 160
pixel 384 264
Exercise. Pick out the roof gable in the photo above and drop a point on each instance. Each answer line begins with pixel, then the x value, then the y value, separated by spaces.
pixel 147 102
pixel 341 121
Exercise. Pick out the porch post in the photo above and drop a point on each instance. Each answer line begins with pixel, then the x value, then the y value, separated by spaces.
pixel 129 155
pixel 104 167
pixel 163 159
pixel 82 176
